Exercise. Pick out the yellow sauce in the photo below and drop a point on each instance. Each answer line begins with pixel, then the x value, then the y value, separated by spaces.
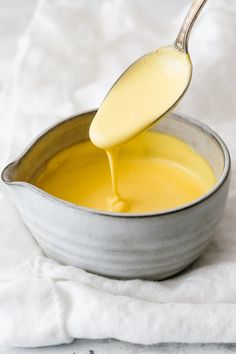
pixel 155 171
pixel 145 92
pixel 149 171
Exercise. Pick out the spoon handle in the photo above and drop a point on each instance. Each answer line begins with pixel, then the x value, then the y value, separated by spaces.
pixel 181 42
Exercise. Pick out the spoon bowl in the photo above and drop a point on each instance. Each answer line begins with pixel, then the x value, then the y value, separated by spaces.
pixel 150 88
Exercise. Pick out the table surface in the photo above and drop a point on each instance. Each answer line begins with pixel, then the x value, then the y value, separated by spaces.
pixel 10 30
pixel 109 346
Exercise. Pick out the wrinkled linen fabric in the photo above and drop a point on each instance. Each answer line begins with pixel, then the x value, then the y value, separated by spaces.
pixel 68 56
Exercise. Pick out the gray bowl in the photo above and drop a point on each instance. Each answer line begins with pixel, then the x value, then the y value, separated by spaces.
pixel 148 246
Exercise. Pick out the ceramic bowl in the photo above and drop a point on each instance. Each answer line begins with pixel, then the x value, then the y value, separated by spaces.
pixel 148 246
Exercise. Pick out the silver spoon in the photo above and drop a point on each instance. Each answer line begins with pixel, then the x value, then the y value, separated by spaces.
pixel 113 120
pixel 181 42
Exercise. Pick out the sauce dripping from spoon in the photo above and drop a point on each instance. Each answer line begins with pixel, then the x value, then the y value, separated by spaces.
pixel 143 94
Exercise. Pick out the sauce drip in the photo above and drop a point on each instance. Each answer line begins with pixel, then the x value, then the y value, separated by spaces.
pixel 144 93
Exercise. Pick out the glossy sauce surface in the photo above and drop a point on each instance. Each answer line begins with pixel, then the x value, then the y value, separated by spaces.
pixel 155 171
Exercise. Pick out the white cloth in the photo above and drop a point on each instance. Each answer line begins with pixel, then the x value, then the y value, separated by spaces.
pixel 67 58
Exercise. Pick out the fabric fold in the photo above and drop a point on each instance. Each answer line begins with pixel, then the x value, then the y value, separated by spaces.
pixel 31 313
pixel 108 316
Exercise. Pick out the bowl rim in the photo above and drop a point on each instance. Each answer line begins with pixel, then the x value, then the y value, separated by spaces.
pixel 177 116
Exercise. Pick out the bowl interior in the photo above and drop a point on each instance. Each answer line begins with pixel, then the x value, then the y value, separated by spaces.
pixel 73 130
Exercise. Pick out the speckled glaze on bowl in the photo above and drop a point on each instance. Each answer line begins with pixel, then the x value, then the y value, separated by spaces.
pixel 148 246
